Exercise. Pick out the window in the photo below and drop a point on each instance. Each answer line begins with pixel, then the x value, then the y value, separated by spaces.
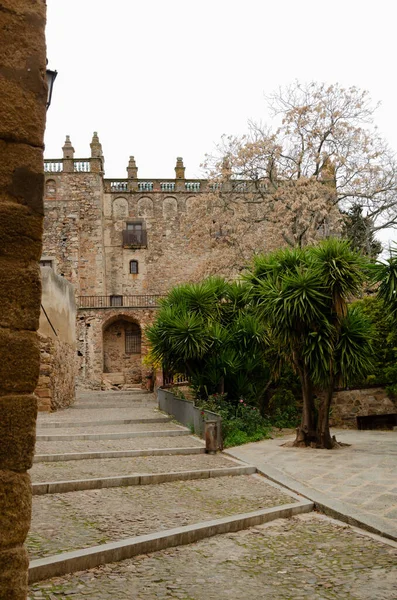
pixel 116 300
pixel 46 263
pixel 136 230
pixel 134 267
pixel 133 339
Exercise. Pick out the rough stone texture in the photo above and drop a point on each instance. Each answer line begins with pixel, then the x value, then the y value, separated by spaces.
pixel 17 431
pixel 23 94
pixel 56 388
pixel 304 558
pixel 13 573
pixel 15 507
pixel 348 405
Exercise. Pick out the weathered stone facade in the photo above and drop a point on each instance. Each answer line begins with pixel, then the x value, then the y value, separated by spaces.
pixel 121 243
pixel 350 404
pixel 23 93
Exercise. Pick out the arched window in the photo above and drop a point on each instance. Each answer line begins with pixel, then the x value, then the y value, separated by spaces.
pixel 134 267
pixel 50 188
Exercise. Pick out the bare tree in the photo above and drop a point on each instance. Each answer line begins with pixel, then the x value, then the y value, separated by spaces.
pixel 288 186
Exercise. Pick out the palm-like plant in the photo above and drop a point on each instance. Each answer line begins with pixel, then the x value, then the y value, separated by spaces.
pixel 303 297
pixel 208 330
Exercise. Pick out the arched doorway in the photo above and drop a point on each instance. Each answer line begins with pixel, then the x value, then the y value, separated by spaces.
pixel 122 339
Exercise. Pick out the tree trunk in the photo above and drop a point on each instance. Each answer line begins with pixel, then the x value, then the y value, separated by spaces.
pixel 306 433
pixel 323 435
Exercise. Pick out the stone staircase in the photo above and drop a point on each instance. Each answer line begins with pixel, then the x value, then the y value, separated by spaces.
pixel 115 478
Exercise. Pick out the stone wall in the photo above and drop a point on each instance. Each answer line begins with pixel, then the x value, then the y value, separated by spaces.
pixel 349 404
pixel 57 335
pixel 91 331
pixel 56 388
pixel 23 93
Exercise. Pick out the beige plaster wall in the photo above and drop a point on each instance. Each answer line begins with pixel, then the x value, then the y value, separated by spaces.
pixel 59 303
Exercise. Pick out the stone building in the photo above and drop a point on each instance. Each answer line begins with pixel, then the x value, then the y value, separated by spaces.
pixel 122 244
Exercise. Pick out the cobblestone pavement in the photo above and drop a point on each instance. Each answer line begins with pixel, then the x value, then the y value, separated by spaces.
pixel 363 475
pixel 183 441
pixel 62 522
pixel 110 467
pixel 304 558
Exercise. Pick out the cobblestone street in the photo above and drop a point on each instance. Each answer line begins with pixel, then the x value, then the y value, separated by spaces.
pixel 304 557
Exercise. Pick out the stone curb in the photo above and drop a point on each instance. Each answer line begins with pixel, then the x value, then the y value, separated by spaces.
pixel 60 424
pixel 112 435
pixel 77 485
pixel 131 404
pixel 81 560
pixel 329 506
pixel 41 458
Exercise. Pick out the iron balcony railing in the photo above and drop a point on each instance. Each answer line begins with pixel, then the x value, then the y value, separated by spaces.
pixel 135 239
pixel 140 301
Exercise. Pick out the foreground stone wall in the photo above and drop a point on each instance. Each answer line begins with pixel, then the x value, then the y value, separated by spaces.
pixel 56 388
pixel 57 334
pixel 349 404
pixel 23 94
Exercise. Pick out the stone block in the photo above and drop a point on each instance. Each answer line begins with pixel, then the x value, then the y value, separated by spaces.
pixel 19 361
pixel 20 293
pixel 20 230
pixel 14 564
pixel 15 508
pixel 17 431
pixel 21 174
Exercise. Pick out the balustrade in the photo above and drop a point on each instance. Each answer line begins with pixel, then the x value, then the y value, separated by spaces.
pixel 53 166
pixel 192 186
pixel 81 166
pixel 119 186
pixel 167 187
pixel 145 186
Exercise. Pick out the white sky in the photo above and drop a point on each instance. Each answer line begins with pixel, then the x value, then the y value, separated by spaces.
pixel 159 79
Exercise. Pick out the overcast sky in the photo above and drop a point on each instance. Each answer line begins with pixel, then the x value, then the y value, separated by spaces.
pixel 161 79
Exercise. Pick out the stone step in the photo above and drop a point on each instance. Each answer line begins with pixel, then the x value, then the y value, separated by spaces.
pixel 143 443
pixel 67 424
pixel 108 467
pixel 67 456
pixel 80 560
pixel 77 485
pixel 98 405
pixel 112 435
pixel 80 519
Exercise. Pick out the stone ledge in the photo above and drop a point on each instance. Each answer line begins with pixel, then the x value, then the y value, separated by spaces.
pixel 40 458
pixel 112 436
pixel 81 560
pixel 65 424
pixel 76 485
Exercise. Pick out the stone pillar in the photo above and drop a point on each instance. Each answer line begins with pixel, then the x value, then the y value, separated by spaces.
pixel 97 158
pixel 179 175
pixel 68 156
pixel 132 171
pixel 23 93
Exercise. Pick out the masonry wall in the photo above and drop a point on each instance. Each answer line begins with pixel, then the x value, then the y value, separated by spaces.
pixel 57 336
pixel 23 93
pixel 350 404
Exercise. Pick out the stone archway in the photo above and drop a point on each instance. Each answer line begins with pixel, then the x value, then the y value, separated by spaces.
pixel 122 350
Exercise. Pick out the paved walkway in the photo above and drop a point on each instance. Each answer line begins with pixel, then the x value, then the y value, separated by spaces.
pixel 307 557
pixel 359 481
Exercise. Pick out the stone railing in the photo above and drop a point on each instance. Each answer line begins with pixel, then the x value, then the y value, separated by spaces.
pixel 168 186
pixel 81 166
pixel 192 186
pixel 118 185
pixel 53 166
pixel 145 186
